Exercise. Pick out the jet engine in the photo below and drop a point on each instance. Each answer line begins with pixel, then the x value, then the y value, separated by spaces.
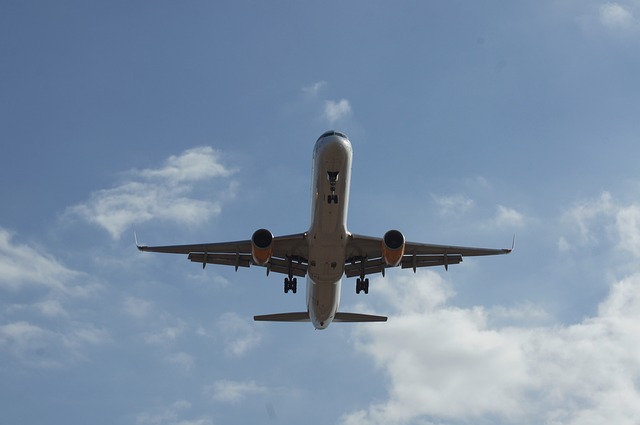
pixel 393 247
pixel 261 246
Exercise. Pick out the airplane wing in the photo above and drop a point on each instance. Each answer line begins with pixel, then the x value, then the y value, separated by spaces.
pixel 290 253
pixel 364 255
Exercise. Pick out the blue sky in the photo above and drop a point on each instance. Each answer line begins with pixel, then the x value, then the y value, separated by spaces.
pixel 194 121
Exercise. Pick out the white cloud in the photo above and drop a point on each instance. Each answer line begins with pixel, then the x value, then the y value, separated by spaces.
pixel 226 391
pixel 563 244
pixel 28 343
pixel 51 308
pixel 22 265
pixel 58 341
pixel 508 217
pixel 628 227
pixel 239 335
pixel 455 369
pixel 465 367
pixel 314 89
pixel 524 314
pixel 163 193
pixel 85 334
pixel 512 364
pixel 584 214
pixel 336 111
pixel 455 205
pixel 181 359
pixel 192 165
pixel 137 307
pixel 332 111
pixel 615 16
pixel 604 218
pixel 166 336
pixel 171 415
pixel 33 345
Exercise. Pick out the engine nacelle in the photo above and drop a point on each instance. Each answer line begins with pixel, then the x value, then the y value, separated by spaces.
pixel 392 247
pixel 261 246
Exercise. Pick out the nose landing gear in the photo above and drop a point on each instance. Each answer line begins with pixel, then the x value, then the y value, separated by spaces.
pixel 333 179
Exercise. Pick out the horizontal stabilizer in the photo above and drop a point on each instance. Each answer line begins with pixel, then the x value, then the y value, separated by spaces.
pixel 302 316
pixel 356 317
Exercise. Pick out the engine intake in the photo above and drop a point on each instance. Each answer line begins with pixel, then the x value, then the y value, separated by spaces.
pixel 393 247
pixel 261 246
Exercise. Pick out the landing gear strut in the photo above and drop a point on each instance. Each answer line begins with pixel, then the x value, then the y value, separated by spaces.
pixel 290 284
pixel 362 285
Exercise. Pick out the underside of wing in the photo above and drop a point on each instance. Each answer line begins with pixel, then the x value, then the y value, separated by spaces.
pixel 365 255
pixel 286 254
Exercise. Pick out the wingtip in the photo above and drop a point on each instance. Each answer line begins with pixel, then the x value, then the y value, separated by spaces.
pixel 513 245
pixel 140 247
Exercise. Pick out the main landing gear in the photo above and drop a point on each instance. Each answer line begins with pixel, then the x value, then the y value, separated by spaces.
pixel 290 284
pixel 362 285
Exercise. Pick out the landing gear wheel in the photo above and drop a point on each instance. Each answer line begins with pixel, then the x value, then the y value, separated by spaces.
pixel 332 199
pixel 362 285
pixel 290 285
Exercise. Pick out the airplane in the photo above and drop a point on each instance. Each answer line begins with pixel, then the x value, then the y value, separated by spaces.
pixel 327 251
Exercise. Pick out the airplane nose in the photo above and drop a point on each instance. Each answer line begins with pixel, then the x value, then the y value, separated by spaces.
pixel 333 141
pixel 333 133
pixel 335 146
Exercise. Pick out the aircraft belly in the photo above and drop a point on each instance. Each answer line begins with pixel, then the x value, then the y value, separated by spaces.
pixel 323 300
pixel 326 262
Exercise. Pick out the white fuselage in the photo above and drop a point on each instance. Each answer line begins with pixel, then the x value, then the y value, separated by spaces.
pixel 328 233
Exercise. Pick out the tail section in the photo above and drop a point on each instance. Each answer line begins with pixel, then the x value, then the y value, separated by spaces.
pixel 303 316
